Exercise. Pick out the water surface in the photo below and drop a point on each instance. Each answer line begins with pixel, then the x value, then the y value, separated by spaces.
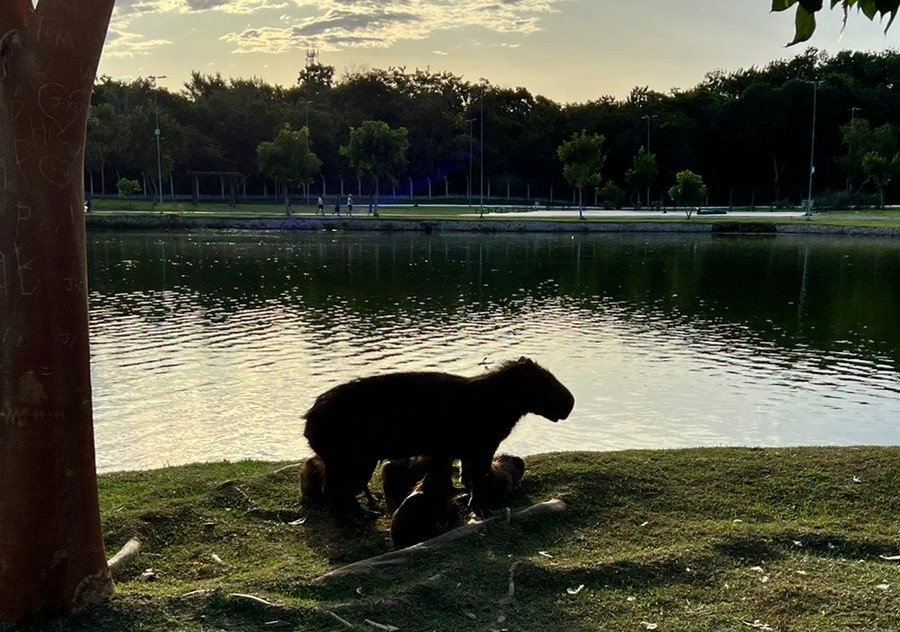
pixel 211 345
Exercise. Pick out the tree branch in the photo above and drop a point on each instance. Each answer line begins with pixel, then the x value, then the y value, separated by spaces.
pixel 117 561
pixel 393 558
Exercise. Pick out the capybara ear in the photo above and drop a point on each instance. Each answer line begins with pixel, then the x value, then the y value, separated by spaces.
pixel 524 360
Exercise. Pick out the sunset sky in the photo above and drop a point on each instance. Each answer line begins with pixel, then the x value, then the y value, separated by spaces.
pixel 567 50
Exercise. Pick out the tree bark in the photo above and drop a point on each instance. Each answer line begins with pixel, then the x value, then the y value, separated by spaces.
pixel 51 547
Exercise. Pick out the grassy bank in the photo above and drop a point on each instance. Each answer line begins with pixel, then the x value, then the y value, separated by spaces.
pixel 704 539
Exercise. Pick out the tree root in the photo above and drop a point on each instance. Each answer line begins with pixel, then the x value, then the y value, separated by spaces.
pixel 401 556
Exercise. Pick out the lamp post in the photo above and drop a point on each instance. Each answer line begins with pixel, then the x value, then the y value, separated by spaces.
pixel 812 151
pixel 648 118
pixel 471 134
pixel 481 154
pixel 853 111
pixel 153 79
pixel 306 186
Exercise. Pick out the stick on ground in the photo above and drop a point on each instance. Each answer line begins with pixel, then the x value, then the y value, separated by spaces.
pixel 401 556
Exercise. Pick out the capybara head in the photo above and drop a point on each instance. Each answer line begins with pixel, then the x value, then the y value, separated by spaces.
pixel 544 394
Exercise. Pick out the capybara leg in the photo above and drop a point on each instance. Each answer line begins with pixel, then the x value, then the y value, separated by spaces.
pixel 479 469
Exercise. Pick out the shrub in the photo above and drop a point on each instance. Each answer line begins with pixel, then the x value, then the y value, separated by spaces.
pixel 128 187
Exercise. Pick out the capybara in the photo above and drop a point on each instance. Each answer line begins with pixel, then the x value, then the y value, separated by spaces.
pixel 400 476
pixel 424 513
pixel 505 476
pixel 443 416
pixel 312 483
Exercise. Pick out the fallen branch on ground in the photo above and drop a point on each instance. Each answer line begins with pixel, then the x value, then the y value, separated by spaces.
pixel 117 561
pixel 401 556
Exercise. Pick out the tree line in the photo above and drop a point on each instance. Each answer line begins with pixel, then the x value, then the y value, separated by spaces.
pixel 747 132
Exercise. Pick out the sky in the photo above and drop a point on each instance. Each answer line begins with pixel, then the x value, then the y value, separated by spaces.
pixel 570 51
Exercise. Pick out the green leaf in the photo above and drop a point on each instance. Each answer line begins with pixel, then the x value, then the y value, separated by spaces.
pixel 781 5
pixel 868 8
pixel 804 25
pixel 811 5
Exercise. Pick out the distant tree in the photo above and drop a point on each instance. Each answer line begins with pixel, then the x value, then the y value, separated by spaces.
pixel 688 191
pixel 643 171
pixel 862 141
pixel 288 160
pixel 880 170
pixel 127 187
pixel 377 151
pixel 582 159
pixel 316 80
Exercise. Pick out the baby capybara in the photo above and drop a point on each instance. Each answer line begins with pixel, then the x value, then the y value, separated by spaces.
pixel 424 513
pixel 439 415
pixel 505 476
pixel 312 483
pixel 400 476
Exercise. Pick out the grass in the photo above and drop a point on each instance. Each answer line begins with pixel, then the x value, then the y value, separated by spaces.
pixel 688 540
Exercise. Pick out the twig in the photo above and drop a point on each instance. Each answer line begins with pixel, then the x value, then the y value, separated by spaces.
pixel 254 599
pixel 286 468
pixel 340 619
pixel 381 626
pixel 401 556
pixel 510 594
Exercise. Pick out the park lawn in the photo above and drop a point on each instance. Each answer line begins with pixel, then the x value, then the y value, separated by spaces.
pixel 687 540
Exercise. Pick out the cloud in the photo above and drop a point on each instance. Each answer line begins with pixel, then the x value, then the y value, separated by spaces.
pixel 123 44
pixel 330 25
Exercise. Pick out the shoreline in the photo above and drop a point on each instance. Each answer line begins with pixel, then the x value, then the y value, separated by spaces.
pixel 312 223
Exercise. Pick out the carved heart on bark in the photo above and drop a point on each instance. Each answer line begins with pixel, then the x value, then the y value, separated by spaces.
pixel 60 105
pixel 55 171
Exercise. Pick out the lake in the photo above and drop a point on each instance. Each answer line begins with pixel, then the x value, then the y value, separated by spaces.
pixel 211 345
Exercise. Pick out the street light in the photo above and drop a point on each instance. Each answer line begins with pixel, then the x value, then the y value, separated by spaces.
pixel 306 186
pixel 648 118
pixel 153 79
pixel 471 135
pixel 853 112
pixel 812 151
pixel 481 153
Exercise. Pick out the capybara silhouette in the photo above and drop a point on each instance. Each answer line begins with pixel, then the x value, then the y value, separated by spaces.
pixel 439 415
pixel 400 476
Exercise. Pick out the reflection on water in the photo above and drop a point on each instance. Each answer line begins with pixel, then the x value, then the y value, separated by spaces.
pixel 212 345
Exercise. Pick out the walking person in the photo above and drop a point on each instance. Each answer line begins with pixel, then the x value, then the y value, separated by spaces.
pixel 337 205
pixel 349 204
pixel 321 206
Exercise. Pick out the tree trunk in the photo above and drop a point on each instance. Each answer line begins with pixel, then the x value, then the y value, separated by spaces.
pixel 52 559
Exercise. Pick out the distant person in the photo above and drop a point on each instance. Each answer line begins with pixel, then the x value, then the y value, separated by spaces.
pixel 349 204
pixel 321 206
pixel 337 205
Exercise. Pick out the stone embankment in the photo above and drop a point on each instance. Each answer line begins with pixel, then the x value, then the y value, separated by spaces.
pixel 181 222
